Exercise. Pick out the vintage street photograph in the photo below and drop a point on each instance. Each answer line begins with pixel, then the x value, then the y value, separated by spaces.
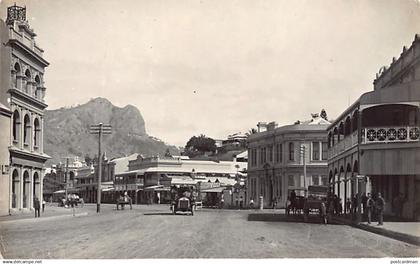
pixel 210 130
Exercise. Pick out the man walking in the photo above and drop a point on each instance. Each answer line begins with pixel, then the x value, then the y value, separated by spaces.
pixel 380 206
pixel 369 207
pixel 37 207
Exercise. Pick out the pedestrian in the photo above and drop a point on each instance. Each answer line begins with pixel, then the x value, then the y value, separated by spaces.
pixel 237 201
pixel 222 202
pixel 323 213
pixel 241 202
pixel 348 205
pixel 274 203
pixel 43 205
pixel 354 204
pixel 251 203
pixel 336 204
pixel 369 208
pixel 82 202
pixel 380 207
pixel 72 203
pixel 364 203
pixel 37 207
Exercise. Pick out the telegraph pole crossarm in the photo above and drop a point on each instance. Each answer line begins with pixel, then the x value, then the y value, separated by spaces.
pixel 100 130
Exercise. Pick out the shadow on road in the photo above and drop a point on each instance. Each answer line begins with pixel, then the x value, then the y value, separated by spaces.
pixel 276 217
pixel 168 213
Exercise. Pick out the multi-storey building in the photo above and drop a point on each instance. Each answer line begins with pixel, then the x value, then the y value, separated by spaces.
pixel 150 177
pixel 276 159
pixel 22 83
pixel 374 144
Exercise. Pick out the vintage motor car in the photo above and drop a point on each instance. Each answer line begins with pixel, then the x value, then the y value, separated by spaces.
pixel 183 200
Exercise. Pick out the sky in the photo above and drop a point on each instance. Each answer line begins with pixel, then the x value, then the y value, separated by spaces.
pixel 217 67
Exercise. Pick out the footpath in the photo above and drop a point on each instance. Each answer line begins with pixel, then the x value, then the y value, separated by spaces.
pixel 408 232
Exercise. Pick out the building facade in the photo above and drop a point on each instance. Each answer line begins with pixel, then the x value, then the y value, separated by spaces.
pixel 374 144
pixel 22 83
pixel 276 162
pixel 151 177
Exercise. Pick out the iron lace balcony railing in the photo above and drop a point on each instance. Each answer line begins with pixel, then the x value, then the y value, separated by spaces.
pixel 390 134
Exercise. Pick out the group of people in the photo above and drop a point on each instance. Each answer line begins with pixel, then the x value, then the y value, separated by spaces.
pixel 369 206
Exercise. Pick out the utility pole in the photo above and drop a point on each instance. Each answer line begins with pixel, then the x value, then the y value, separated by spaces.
pixel 303 154
pixel 66 173
pixel 100 130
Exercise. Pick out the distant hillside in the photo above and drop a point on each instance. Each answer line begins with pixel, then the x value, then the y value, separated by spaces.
pixel 67 131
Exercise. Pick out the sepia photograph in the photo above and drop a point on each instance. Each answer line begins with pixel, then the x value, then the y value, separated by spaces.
pixel 217 131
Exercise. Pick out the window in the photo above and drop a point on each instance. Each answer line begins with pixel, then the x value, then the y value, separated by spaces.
pixel 324 180
pixel 291 151
pixel 279 153
pixel 291 180
pixel 324 150
pixel 37 129
pixel 263 155
pixel 315 150
pixel 315 180
pixel 27 130
pixel 16 126
pixel 270 153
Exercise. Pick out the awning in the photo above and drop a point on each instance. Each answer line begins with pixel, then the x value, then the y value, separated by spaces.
pixel 214 190
pixel 60 191
pixel 153 187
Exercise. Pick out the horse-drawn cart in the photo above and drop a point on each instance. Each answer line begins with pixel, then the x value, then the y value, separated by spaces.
pixel 316 202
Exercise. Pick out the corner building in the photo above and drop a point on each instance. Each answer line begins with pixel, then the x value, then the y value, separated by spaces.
pixel 377 138
pixel 276 160
pixel 22 84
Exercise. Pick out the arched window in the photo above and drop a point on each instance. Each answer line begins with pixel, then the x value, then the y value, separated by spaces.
pixel 26 130
pixel 347 127
pixel 37 133
pixel 17 73
pixel 37 87
pixel 16 126
pixel 355 121
pixel 28 81
pixel 341 131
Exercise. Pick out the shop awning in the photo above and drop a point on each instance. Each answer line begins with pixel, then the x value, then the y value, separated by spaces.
pixel 214 190
pixel 153 187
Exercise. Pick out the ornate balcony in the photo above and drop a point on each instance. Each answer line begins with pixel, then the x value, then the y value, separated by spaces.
pixel 390 134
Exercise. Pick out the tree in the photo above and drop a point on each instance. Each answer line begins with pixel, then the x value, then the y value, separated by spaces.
pixel 200 144
pixel 168 153
pixel 251 131
pixel 323 114
pixel 88 160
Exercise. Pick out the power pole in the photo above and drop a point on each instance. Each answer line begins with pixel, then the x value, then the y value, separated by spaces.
pixel 303 153
pixel 65 176
pixel 100 130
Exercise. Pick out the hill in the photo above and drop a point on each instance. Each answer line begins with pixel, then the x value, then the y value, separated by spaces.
pixel 67 132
